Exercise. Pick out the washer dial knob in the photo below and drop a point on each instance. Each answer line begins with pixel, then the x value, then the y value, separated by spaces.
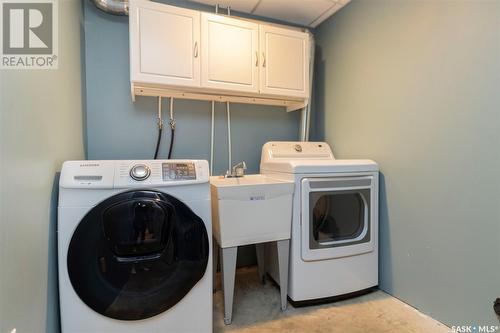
pixel 140 172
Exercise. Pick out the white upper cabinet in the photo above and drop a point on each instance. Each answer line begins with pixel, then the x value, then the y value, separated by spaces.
pixel 229 53
pixel 164 44
pixel 190 54
pixel 284 62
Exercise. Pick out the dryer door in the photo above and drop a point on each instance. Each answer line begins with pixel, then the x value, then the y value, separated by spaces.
pixel 137 254
pixel 337 217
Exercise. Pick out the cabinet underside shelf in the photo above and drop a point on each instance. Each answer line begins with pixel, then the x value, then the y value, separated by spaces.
pixel 290 105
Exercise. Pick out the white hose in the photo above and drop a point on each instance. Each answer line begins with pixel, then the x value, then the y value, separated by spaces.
pixel 305 117
pixel 212 140
pixel 172 120
pixel 228 136
pixel 311 77
pixel 159 109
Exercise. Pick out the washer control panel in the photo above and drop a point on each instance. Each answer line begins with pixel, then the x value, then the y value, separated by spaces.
pixel 172 171
pixel 160 173
pixel 133 173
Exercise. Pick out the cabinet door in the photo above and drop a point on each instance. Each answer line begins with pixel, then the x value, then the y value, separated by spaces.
pixel 229 53
pixel 164 44
pixel 284 62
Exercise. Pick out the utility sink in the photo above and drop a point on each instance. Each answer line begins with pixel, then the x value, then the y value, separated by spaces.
pixel 250 209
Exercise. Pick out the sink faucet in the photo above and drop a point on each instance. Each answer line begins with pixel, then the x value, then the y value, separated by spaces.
pixel 237 171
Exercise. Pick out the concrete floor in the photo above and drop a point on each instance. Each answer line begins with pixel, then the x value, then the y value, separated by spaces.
pixel 257 309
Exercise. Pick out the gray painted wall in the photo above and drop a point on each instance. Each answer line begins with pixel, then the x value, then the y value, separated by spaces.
pixel 117 128
pixel 40 127
pixel 414 85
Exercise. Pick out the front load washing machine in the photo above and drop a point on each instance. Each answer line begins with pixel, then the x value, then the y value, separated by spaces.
pixel 134 246
pixel 334 244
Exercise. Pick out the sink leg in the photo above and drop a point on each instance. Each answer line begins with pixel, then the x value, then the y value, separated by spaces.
pixel 259 249
pixel 283 254
pixel 228 268
pixel 215 258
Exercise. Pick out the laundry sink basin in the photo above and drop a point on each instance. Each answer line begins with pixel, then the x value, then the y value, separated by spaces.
pixel 250 209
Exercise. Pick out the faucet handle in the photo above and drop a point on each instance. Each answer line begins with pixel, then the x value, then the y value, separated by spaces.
pixel 239 169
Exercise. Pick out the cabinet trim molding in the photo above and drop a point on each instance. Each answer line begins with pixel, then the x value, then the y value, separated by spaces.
pixel 144 90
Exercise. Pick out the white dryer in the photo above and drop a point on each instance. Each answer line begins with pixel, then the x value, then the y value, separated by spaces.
pixel 334 244
pixel 134 246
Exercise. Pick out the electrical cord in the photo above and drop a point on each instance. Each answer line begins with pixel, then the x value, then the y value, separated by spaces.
pixel 160 129
pixel 158 142
pixel 172 132
pixel 172 128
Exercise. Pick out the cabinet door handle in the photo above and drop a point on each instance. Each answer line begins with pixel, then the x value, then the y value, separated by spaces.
pixel 256 59
pixel 263 59
pixel 196 49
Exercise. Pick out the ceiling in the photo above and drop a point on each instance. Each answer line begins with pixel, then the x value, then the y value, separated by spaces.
pixel 309 13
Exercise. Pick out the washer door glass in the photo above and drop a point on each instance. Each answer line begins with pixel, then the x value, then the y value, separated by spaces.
pixel 137 254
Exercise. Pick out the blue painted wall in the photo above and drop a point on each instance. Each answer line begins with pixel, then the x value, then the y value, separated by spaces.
pixel 40 128
pixel 117 128
pixel 415 85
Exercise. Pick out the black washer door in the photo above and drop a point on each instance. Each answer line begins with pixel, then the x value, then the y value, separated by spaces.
pixel 137 254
